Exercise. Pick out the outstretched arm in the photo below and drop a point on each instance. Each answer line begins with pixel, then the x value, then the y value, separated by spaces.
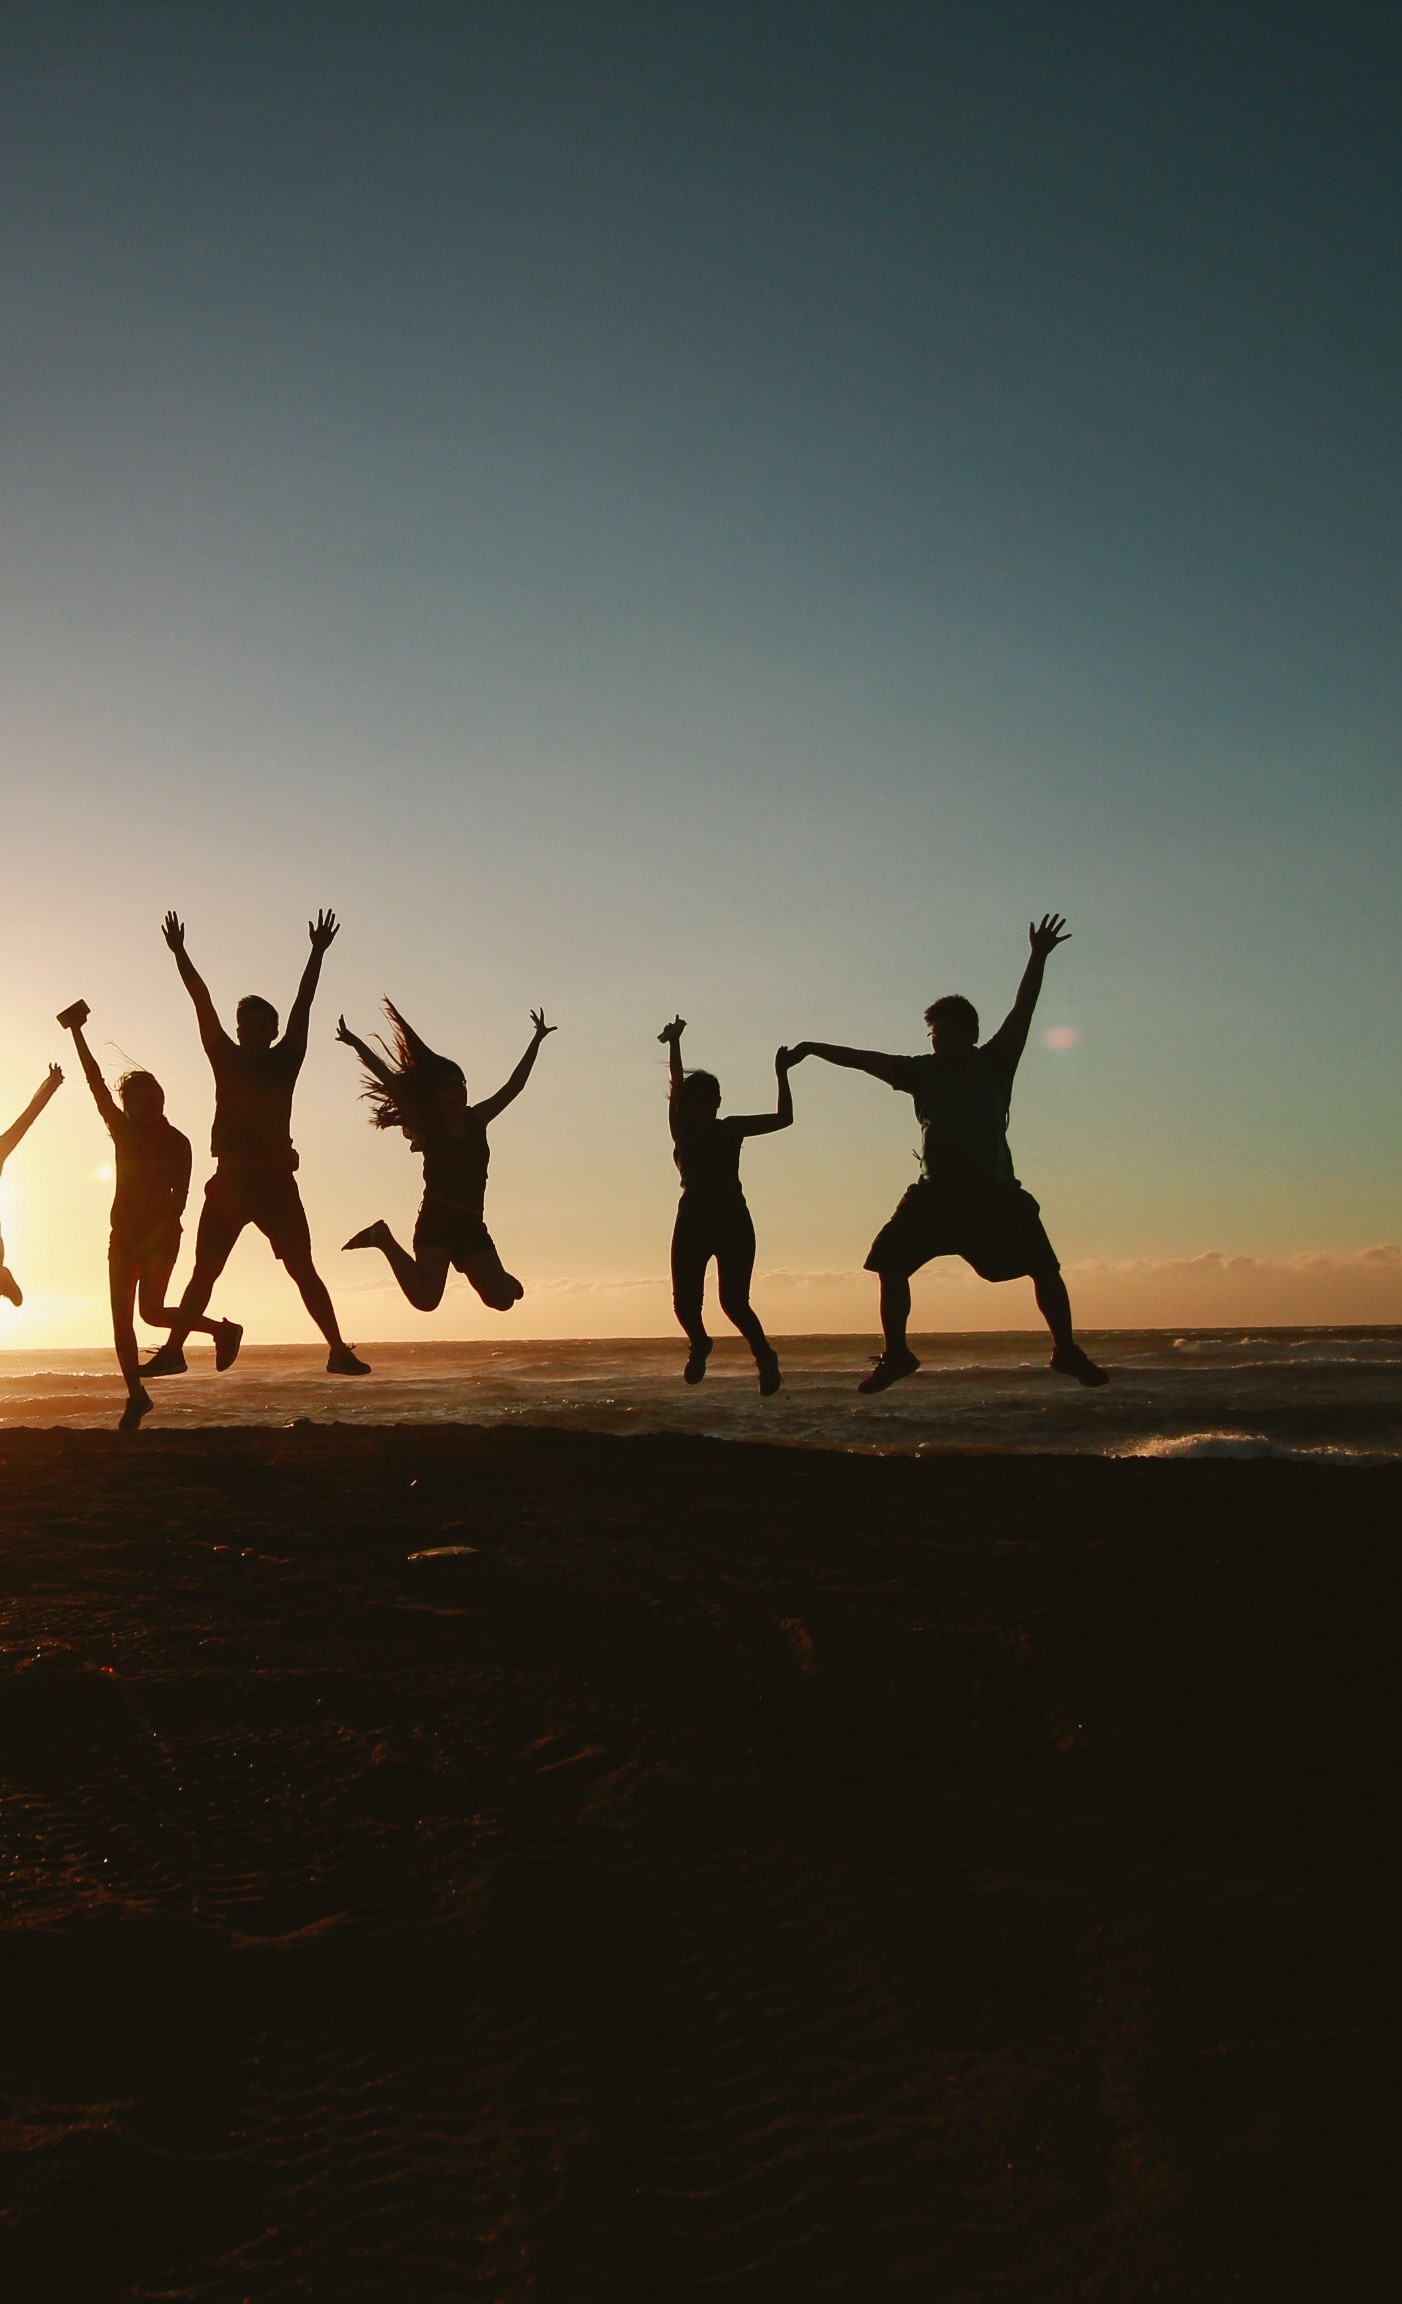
pixel 671 1035
pixel 21 1127
pixel 765 1123
pixel 374 1064
pixel 511 1089
pixel 323 932
pixel 887 1068
pixel 1043 936
pixel 101 1094
pixel 212 1033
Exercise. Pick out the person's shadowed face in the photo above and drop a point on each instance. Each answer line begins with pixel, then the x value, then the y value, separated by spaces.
pixel 953 1024
pixel 257 1023
pixel 450 1103
pixel 143 1098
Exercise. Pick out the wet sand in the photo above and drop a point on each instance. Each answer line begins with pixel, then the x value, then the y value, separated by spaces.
pixel 744 1872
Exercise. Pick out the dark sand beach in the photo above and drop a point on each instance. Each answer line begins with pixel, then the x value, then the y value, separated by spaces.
pixel 743 1872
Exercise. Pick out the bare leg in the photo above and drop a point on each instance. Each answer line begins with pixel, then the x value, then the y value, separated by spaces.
pixel 121 1284
pixel 1054 1304
pixel 156 1270
pixel 494 1284
pixel 895 1311
pixel 896 1358
pixel 689 1260
pixel 213 1245
pixel 735 1265
pixel 10 1288
pixel 422 1278
pixel 315 1295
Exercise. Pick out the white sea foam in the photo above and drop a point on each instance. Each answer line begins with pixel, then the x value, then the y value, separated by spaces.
pixel 1182 1447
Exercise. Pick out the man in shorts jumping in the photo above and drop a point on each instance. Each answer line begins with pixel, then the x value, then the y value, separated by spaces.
pixel 968 1202
pixel 255 1179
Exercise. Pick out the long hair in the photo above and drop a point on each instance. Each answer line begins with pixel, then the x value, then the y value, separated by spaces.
pixel 693 1102
pixel 419 1073
pixel 143 1081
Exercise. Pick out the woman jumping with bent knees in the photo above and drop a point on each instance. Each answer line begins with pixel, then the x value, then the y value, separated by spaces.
pixel 408 1086
pixel 712 1217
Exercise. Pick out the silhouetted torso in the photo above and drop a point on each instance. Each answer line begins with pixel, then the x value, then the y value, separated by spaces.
pixel 707 1153
pixel 153 1174
pixel 962 1105
pixel 253 1104
pixel 455 1167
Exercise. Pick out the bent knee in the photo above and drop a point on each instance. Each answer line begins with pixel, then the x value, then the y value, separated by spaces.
pixel 498 1290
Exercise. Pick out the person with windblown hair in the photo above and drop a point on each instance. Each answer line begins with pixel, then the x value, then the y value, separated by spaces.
pixel 409 1086
pixel 713 1219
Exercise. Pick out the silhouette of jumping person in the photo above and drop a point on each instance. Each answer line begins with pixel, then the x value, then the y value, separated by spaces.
pixel 712 1217
pixel 10 1288
pixel 255 1176
pixel 152 1161
pixel 408 1086
pixel 968 1202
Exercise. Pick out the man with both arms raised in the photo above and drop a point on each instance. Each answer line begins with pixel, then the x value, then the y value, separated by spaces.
pixel 255 1180
pixel 968 1201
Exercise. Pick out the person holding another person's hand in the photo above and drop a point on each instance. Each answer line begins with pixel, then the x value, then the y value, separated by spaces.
pixel 968 1201
pixel 713 1220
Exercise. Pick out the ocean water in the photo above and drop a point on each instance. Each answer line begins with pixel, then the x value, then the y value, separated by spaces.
pixel 1330 1393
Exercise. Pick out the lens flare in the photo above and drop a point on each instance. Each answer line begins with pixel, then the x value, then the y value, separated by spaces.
pixel 1060 1036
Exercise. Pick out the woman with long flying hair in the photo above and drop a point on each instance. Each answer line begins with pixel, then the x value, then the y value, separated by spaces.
pixel 409 1086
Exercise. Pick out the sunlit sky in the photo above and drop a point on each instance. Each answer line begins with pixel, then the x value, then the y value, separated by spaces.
pixel 728 508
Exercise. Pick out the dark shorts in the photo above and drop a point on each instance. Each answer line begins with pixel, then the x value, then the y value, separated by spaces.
pixel 720 1227
pixel 457 1233
pixel 267 1198
pixel 132 1246
pixel 995 1227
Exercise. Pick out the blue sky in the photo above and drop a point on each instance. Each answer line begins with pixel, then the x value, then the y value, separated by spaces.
pixel 729 508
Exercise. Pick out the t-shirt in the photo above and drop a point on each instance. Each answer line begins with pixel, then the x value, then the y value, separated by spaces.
pixel 153 1174
pixel 707 1153
pixel 253 1104
pixel 455 1166
pixel 962 1105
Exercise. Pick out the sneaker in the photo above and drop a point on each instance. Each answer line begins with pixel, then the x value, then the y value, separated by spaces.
pixel 695 1367
pixel 887 1369
pixel 228 1336
pixel 767 1366
pixel 9 1286
pixel 1070 1360
pixel 137 1406
pixel 342 1361
pixel 169 1361
pixel 372 1236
